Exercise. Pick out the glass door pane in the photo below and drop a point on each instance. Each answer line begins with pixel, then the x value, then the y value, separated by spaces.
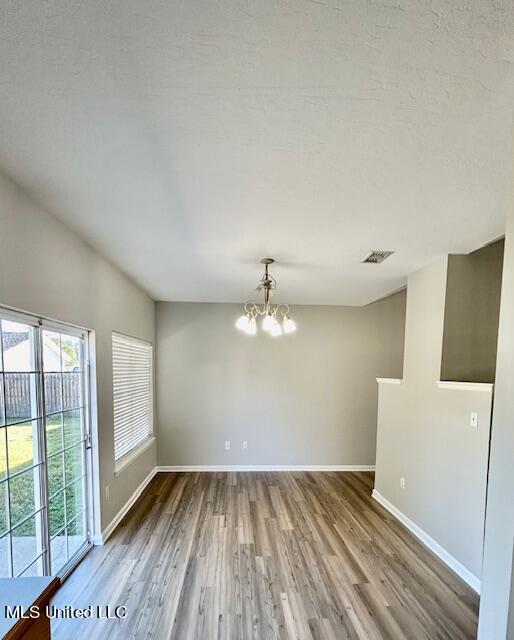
pixel 65 412
pixel 43 447
pixel 22 533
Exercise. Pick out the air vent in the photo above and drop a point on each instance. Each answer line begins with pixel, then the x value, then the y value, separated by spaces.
pixel 376 257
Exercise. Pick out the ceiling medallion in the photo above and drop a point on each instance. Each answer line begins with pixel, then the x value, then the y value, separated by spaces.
pixel 269 312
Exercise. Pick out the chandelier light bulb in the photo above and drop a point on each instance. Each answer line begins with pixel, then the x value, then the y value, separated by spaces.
pixel 276 329
pixel 251 330
pixel 289 325
pixel 268 322
pixel 243 323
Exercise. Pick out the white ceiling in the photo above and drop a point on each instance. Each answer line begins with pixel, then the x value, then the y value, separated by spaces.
pixel 188 139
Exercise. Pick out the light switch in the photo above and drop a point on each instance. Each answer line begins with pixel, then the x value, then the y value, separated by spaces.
pixel 473 422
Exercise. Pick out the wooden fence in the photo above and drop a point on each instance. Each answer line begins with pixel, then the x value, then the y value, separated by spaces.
pixel 62 391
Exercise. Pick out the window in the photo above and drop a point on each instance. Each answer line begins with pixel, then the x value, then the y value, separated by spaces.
pixel 132 393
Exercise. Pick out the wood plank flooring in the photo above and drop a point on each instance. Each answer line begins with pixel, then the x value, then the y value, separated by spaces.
pixel 266 555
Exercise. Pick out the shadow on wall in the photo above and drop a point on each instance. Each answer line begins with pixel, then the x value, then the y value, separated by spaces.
pixel 472 313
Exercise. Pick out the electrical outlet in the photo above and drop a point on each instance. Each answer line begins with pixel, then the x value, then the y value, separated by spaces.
pixel 473 420
pixel 227 445
pixel 245 445
pixel 107 492
pixel 402 483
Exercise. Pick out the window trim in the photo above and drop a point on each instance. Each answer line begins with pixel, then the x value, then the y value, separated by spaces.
pixel 127 458
pixel 134 453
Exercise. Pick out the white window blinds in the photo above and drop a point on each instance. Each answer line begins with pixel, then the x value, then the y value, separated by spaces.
pixel 132 392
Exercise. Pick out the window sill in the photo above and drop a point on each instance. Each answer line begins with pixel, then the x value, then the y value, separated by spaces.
pixel 129 457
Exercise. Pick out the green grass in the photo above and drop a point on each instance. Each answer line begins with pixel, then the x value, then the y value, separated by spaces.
pixel 20 447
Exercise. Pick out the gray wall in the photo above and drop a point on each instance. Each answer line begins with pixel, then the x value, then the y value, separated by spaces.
pixel 304 398
pixel 471 315
pixel 497 586
pixel 424 433
pixel 47 270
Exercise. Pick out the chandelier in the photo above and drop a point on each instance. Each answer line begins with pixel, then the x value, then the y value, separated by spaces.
pixel 271 314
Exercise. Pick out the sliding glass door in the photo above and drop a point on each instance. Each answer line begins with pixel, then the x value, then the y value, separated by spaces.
pixel 44 484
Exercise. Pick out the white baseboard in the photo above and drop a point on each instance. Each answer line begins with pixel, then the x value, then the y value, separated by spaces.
pixel 102 538
pixel 268 467
pixel 429 542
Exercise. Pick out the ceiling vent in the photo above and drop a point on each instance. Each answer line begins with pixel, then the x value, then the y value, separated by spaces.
pixel 376 257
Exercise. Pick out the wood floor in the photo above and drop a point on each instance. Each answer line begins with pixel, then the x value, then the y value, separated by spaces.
pixel 266 555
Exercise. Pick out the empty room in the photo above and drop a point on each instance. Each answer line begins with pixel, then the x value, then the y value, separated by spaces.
pixel 257 320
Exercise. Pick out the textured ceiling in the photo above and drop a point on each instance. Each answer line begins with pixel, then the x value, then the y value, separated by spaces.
pixel 186 140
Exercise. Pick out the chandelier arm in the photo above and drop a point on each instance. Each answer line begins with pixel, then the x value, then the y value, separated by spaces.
pixel 252 308
pixel 283 308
